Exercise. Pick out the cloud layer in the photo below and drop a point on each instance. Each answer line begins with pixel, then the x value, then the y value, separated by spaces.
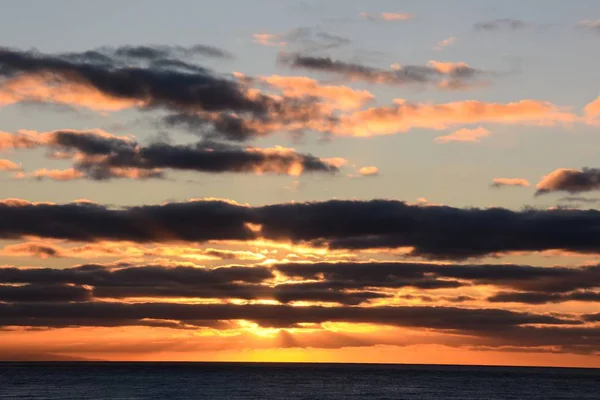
pixel 99 155
pixel 431 231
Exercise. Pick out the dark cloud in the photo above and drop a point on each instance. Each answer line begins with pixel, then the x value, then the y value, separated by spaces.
pixel 208 158
pixel 543 298
pixel 285 114
pixel 43 293
pixel 113 314
pixel 290 292
pixel 434 231
pixel 102 157
pixel 345 282
pixel 310 40
pixel 143 76
pixel 161 52
pixel 502 24
pixel 98 275
pixel 570 180
pixel 156 87
pixel 84 282
pixel 193 221
pixel 551 280
pixel 579 199
pixel 445 75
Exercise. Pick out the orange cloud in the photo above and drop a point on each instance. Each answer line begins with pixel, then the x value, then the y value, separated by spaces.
pixel 464 135
pixel 47 248
pixel 54 174
pixel 405 116
pixel 387 16
pixel 45 89
pixel 368 171
pixel 135 173
pixel 570 180
pixel 592 110
pixel 268 39
pixel 448 67
pixel 282 160
pixel 7 165
pixel 21 140
pixel 28 139
pixel 445 43
pixel 341 97
pixel 499 182
pixel 337 162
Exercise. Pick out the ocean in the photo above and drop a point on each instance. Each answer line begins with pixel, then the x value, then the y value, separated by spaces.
pixel 216 381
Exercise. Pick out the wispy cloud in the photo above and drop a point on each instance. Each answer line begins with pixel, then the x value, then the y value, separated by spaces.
pixel 444 75
pixel 591 24
pixel 464 135
pixel 404 116
pixel 508 24
pixel 387 16
pixel 268 39
pixel 442 44
pixel 503 182
pixel 7 165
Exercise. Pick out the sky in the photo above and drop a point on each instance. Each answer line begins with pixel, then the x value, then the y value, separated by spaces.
pixel 328 181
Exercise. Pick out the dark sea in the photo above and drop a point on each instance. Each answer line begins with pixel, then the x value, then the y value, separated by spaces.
pixel 215 381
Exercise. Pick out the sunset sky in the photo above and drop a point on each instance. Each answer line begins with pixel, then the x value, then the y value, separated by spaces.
pixel 333 181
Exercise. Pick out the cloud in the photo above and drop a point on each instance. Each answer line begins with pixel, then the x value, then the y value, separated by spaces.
pixel 268 39
pixel 404 116
pixel 579 199
pixel 482 321
pixel 502 24
pixel 162 52
pixel 99 275
pixel 107 81
pixel 48 249
pixel 544 298
pixel 341 97
pixel 362 275
pixel 303 39
pixel 503 182
pixel 464 135
pixel 228 108
pixel 445 75
pixel 570 180
pixel 79 297
pixel 387 16
pixel 7 165
pixel 44 293
pixel 592 110
pixel 368 171
pixel 442 44
pixel 340 282
pixel 159 282
pixel 99 155
pixel 98 76
pixel 432 231
pixel 24 140
pixel 210 220
pixel 69 174
pixel 144 281
pixel 591 24
pixel 436 232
